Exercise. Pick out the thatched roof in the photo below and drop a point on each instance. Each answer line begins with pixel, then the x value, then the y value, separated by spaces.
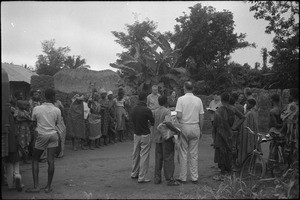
pixel 78 80
pixel 17 73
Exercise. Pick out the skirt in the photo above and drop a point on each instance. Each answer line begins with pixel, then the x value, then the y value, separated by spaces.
pixel 94 127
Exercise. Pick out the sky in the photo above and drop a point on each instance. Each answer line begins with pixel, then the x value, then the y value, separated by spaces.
pixel 86 27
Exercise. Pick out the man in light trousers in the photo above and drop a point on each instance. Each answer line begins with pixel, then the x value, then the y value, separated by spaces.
pixel 142 117
pixel 190 114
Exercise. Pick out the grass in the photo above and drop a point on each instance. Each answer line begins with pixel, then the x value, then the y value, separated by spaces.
pixel 284 187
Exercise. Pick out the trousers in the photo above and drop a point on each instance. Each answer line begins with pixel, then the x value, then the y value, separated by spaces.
pixel 164 158
pixel 189 145
pixel 141 156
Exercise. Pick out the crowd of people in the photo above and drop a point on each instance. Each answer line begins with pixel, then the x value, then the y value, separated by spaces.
pixel 172 123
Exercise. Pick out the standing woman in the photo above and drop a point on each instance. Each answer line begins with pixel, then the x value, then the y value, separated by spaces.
pixel 77 123
pixel 172 100
pixel 247 140
pixel 94 121
pixel 120 113
pixel 223 126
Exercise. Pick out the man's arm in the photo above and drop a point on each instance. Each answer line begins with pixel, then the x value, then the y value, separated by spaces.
pixel 150 117
pixel 178 109
pixel 148 101
pixel 201 121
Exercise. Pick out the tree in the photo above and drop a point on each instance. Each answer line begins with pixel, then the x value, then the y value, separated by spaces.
pixel 283 18
pixel 53 58
pixel 264 53
pixel 208 37
pixel 149 58
pixel 74 62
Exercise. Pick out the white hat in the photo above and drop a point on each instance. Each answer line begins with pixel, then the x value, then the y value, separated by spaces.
pixel 102 91
pixel 109 92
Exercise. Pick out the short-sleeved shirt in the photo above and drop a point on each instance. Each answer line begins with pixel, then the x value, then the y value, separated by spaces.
pixel 47 116
pixel 190 106
pixel 152 101
pixel 161 114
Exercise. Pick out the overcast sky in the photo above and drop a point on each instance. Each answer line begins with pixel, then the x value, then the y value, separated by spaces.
pixel 86 27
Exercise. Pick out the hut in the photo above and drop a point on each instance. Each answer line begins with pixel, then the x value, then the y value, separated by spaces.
pixel 19 79
pixel 79 80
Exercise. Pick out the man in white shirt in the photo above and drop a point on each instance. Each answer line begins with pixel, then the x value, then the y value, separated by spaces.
pixel 190 114
pixel 47 117
pixel 152 99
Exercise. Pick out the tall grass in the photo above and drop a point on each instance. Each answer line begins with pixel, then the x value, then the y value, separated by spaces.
pixel 284 187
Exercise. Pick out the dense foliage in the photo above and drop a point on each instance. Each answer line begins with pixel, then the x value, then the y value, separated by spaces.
pixel 202 44
pixel 283 18
pixel 54 59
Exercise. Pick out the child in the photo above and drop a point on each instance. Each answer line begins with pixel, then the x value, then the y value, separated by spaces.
pixel 164 149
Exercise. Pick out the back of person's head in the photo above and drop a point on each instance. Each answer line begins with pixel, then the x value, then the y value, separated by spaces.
pixel 225 97
pixel 188 85
pixel 162 100
pixel 247 91
pixel 294 93
pixel 275 98
pixel 121 93
pixel 50 95
pixel 233 98
pixel 251 102
pixel 142 96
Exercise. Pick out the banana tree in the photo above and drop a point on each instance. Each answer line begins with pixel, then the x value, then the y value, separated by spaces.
pixel 158 65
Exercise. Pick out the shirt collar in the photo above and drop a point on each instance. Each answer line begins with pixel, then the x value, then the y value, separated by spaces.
pixel 46 103
pixel 189 93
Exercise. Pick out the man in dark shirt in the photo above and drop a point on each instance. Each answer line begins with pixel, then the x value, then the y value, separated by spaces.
pixel 141 116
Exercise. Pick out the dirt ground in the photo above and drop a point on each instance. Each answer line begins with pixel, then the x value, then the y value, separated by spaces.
pixel 105 174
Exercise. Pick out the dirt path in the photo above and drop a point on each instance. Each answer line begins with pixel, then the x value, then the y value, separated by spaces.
pixel 105 173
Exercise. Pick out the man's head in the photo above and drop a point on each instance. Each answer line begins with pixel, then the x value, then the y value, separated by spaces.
pixel 35 95
pixel 217 96
pixel 103 93
pixel 162 100
pixel 225 97
pixel 142 96
pixel 154 89
pixel 247 92
pixel 121 93
pixel 240 98
pixel 19 95
pixel 188 86
pixel 233 98
pixel 173 93
pixel 250 103
pixel 275 98
pixel 294 94
pixel 50 95
pixel 110 95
